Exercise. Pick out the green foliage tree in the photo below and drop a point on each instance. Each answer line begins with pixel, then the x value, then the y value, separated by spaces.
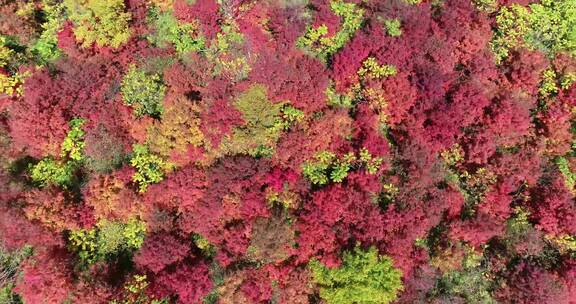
pixel 49 171
pixel 73 144
pixel 6 52
pixel 364 277
pixel 107 240
pixel 569 176
pixel 547 26
pixel 393 27
pixel 12 83
pixel 290 116
pixel 103 22
pixel 261 128
pixel 185 37
pixel 208 250
pixel 227 52
pixel 371 163
pixel 326 166
pixel 84 243
pixel 45 49
pixel 316 40
pixel 467 285
pixel 149 167
pixel 143 92
pixel 135 292
pixel 339 100
pixel 372 69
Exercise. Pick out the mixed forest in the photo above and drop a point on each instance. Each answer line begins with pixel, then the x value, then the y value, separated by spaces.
pixel 287 151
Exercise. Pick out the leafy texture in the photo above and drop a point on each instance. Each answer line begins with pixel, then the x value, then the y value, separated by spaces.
pixel 546 26
pixel 107 240
pixel 289 151
pixel 104 23
pixel 185 37
pixel 149 167
pixel 143 92
pixel 323 45
pixel 363 277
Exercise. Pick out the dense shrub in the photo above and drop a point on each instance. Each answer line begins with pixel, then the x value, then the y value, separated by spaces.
pixel 378 282
pixel 104 23
pixel 143 92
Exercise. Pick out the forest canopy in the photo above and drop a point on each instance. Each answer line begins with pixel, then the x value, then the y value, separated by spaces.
pixel 287 151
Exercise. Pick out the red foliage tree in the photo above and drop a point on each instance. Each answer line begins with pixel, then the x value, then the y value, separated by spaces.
pixel 296 78
pixel 47 279
pixel 189 282
pixel 531 284
pixel 17 231
pixel 160 251
pixel 39 122
pixel 205 11
pixel 553 206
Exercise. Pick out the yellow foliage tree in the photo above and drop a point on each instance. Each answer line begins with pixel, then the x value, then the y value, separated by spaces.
pixel 180 127
pixel 103 22
pixel 261 128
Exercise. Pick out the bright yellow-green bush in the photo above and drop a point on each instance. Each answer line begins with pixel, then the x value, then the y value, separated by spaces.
pixel 371 163
pixel 104 22
pixel 339 100
pixel 45 49
pixel 548 85
pixel 204 245
pixel 144 92
pixel 51 172
pixel 135 292
pixel 107 239
pixel 290 116
pixel 569 176
pixel 134 232
pixel 547 26
pixel 73 144
pixel 12 85
pixel 326 166
pixel 185 37
pixel 565 243
pixel 61 172
pixel 226 52
pixel 372 69
pixel 5 52
pixel 567 80
pixel 453 156
pixel 315 39
pixel 393 27
pixel 260 131
pixel 149 167
pixel 84 242
pixel 369 70
pixel 365 277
